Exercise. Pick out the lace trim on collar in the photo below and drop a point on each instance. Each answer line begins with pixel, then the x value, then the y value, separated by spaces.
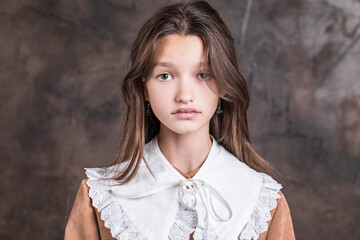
pixel 109 208
pixel 261 214
pixel 185 223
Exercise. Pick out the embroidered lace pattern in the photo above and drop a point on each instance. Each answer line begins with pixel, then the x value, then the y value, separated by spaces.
pixel 261 214
pixel 187 222
pixel 110 209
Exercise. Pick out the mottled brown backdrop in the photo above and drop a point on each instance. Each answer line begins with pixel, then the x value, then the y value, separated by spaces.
pixel 61 65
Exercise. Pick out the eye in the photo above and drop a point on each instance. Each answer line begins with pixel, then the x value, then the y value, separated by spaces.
pixel 204 76
pixel 164 77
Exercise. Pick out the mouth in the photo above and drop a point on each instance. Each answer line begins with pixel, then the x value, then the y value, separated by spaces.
pixel 186 110
pixel 186 113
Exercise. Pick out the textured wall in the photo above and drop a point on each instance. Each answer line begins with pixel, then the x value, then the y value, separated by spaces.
pixel 61 64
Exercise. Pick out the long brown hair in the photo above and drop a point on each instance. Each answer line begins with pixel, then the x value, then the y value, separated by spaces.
pixel 230 129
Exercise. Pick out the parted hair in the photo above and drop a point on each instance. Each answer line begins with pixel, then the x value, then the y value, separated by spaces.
pixel 230 128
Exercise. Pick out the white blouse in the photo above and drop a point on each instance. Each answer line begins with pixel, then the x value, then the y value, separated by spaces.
pixel 225 199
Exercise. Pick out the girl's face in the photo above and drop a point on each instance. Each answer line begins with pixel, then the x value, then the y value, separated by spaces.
pixel 182 93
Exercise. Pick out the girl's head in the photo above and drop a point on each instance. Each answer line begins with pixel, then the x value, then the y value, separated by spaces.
pixel 195 20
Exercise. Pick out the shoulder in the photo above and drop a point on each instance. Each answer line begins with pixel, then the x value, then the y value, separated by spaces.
pixel 280 225
pixel 270 213
pixel 82 194
pixel 98 184
pixel 101 191
pixel 270 218
pixel 84 221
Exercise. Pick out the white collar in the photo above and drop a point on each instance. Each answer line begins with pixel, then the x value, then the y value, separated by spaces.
pixel 246 191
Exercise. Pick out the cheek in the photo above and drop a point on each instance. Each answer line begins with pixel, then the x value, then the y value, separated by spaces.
pixel 209 96
pixel 159 99
pixel 214 103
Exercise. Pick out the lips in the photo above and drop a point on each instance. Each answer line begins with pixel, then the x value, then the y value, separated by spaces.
pixel 186 113
pixel 186 110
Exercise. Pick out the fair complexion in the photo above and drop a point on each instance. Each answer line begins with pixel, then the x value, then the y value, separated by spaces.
pixel 183 96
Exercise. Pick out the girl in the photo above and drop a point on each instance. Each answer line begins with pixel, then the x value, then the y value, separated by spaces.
pixel 185 168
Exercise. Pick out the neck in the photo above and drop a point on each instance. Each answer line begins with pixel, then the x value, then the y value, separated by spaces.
pixel 186 152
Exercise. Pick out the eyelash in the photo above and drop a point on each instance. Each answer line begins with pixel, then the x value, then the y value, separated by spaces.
pixel 208 76
pixel 163 75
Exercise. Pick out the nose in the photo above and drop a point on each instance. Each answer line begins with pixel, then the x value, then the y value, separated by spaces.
pixel 185 91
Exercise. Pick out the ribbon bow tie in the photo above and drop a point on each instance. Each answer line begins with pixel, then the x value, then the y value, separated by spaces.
pixel 191 188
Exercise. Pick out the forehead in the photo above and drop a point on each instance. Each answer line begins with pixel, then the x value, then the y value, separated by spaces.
pixel 179 50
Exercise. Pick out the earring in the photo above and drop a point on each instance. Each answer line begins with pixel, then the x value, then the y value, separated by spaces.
pixel 219 110
pixel 148 110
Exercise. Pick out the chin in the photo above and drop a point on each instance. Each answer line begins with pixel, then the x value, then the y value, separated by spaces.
pixel 185 130
pixel 184 127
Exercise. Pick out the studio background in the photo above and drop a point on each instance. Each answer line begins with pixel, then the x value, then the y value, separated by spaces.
pixel 61 67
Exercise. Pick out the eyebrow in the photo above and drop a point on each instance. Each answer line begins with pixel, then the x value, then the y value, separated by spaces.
pixel 163 64
pixel 169 64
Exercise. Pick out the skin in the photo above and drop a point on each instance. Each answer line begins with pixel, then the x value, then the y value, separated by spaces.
pixel 179 80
